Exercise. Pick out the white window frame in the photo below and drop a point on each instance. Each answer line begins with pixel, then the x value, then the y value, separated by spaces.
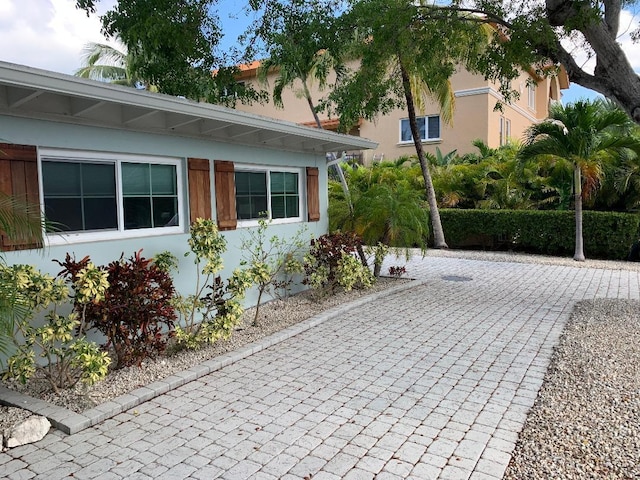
pixel 268 170
pixel 426 130
pixel 531 96
pixel 505 130
pixel 116 159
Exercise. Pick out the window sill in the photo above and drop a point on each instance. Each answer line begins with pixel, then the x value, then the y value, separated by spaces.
pixel 424 142
pixel 53 239
pixel 277 221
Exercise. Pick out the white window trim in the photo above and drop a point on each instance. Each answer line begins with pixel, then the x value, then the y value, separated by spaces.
pixel 531 97
pixel 116 159
pixel 301 193
pixel 426 129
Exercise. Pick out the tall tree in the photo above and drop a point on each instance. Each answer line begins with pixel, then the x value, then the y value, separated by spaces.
pixel 302 46
pixel 179 34
pixel 588 134
pixel 404 62
pixel 173 45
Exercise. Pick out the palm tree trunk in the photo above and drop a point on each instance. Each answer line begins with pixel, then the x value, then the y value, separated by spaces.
pixel 436 224
pixel 578 254
pixel 343 180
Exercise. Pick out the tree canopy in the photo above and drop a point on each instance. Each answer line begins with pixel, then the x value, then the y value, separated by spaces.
pixel 175 42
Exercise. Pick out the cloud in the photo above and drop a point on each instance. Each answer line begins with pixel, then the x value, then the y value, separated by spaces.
pixel 628 23
pixel 47 34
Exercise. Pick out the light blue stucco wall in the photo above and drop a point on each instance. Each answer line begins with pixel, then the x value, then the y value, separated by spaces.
pixel 46 134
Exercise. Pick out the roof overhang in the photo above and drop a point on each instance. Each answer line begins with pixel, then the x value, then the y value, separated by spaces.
pixel 33 93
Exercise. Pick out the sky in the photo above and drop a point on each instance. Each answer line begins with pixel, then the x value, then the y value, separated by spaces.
pixel 50 34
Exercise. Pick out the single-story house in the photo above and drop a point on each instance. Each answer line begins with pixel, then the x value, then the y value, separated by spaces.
pixel 121 169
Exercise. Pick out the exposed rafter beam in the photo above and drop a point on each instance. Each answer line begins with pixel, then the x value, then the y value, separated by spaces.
pixel 129 119
pixel 17 99
pixel 81 106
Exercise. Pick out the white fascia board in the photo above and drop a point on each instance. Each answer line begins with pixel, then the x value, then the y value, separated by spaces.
pixel 56 83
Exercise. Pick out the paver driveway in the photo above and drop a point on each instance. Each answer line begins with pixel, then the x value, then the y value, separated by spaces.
pixel 432 382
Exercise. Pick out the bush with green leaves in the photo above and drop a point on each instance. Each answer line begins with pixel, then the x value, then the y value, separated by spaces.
pixel 607 235
pixel 271 261
pixel 215 308
pixel 135 313
pixel 331 264
pixel 66 356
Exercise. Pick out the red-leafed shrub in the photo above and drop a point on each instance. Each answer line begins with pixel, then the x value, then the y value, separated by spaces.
pixel 136 315
pixel 331 263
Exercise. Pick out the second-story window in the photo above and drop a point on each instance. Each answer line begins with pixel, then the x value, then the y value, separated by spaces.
pixel 531 96
pixel 428 126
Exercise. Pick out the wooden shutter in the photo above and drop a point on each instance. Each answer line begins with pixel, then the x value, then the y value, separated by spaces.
pixel 199 189
pixel 313 195
pixel 19 179
pixel 225 195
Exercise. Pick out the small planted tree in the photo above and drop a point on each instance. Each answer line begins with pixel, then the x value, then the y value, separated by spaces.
pixel 271 261
pixel 66 356
pixel 214 309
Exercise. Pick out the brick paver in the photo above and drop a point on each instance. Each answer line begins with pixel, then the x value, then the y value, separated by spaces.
pixel 431 382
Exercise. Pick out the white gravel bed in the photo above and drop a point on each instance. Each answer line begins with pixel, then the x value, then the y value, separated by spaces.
pixel 274 316
pixel 585 423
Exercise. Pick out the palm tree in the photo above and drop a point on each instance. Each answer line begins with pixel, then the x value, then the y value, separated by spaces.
pixel 106 63
pixel 388 213
pixel 299 46
pixel 588 134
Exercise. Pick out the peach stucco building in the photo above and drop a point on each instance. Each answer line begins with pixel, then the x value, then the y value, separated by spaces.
pixel 475 116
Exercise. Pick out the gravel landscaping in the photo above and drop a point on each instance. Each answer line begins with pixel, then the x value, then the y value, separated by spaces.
pixel 585 422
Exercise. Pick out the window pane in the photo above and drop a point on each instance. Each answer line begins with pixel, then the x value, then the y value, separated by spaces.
pixel 80 196
pixel 243 208
pixel 278 207
pixel 258 206
pixel 291 183
pixel 277 183
pixel 98 180
pixel 292 206
pixel 65 212
pixel 61 178
pixel 100 213
pixel 137 212
pixel 163 180
pixel 405 131
pixel 136 179
pixel 421 127
pixel 242 183
pixel 165 211
pixel 434 127
pixel 251 194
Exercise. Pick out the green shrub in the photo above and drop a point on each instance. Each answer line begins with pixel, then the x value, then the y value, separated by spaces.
pixel 214 309
pixel 607 235
pixel 66 356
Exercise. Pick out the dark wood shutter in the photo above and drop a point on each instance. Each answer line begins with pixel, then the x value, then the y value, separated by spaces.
pixel 313 195
pixel 199 189
pixel 19 179
pixel 225 195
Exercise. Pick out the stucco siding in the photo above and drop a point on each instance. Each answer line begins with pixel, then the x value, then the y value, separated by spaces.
pixel 45 134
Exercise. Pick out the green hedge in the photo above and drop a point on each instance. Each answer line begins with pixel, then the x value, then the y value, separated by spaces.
pixel 606 235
